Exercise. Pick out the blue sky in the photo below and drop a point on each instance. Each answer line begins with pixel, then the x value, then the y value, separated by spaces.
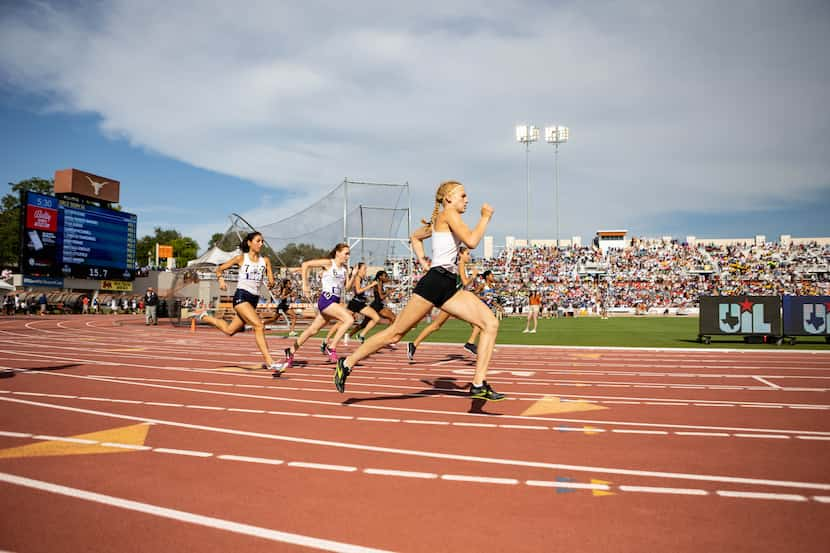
pixel 705 118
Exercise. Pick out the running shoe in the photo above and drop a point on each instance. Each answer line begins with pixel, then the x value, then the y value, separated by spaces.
pixel 278 369
pixel 341 371
pixel 324 347
pixel 485 392
pixel 361 339
pixel 332 356
pixel 472 348
pixel 198 313
pixel 292 334
pixel 410 351
pixel 289 359
pixel 525 331
pixel 532 331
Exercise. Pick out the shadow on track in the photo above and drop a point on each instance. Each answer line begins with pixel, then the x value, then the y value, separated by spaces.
pixel 442 386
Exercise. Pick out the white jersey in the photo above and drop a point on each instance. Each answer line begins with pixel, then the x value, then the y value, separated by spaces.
pixel 445 250
pixel 251 274
pixel 334 280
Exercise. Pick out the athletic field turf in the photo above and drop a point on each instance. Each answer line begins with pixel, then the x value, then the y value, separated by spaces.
pixel 658 332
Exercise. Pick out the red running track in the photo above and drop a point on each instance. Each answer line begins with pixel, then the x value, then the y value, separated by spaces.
pixel 119 437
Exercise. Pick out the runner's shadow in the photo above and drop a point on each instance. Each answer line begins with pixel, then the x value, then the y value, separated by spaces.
pixel 53 367
pixel 441 386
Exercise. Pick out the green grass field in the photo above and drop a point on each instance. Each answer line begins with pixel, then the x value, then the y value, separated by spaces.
pixel 658 332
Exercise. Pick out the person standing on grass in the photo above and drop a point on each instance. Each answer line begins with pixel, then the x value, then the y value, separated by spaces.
pixel 254 268
pixel 334 284
pixel 441 288
pixel 151 301
pixel 443 316
pixel 535 301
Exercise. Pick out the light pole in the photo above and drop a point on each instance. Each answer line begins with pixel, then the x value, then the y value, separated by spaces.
pixel 527 134
pixel 556 135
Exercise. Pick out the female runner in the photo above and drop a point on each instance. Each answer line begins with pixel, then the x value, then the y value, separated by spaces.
pixel 438 288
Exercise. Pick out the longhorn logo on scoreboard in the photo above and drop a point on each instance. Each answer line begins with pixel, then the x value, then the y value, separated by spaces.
pixel 743 318
pixel 814 317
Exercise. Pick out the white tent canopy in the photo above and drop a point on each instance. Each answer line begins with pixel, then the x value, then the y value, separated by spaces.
pixel 214 256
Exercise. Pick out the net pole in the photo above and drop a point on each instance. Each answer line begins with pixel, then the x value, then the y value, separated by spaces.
pixel 345 208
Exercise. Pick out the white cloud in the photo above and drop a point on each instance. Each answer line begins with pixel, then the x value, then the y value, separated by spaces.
pixel 701 106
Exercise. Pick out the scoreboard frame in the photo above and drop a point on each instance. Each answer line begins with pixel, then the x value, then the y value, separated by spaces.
pixel 43 238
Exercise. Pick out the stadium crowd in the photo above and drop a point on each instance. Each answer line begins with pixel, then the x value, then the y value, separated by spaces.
pixel 656 274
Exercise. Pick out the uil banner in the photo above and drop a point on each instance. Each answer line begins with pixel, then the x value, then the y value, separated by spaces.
pixel 740 315
pixel 806 315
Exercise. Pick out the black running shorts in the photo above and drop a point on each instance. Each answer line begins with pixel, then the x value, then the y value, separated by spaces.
pixel 355 305
pixel 243 296
pixel 437 286
pixel 284 307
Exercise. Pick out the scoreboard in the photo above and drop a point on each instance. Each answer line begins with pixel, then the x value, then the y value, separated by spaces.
pixel 64 237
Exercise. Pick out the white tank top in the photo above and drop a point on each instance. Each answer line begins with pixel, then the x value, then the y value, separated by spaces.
pixel 445 250
pixel 334 280
pixel 251 274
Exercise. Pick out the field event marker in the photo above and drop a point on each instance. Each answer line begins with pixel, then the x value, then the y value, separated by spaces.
pixel 83 444
pixel 552 404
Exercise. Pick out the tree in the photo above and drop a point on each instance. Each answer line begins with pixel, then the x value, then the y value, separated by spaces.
pixel 215 239
pixel 10 218
pixel 184 248
pixel 294 254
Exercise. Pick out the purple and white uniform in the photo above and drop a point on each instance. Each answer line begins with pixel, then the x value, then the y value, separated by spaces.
pixel 334 282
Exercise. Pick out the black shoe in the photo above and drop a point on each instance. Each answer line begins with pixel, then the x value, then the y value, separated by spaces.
pixel 341 371
pixel 472 348
pixel 324 348
pixel 410 351
pixel 485 392
pixel 362 339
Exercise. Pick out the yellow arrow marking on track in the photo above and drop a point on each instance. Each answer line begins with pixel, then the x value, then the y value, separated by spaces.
pixel 130 435
pixel 552 404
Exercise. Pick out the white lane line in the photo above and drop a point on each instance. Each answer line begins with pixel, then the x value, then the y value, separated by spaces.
pixel 401 473
pixel 238 410
pixel 475 424
pixel 338 417
pixel 652 489
pixel 205 407
pixel 438 455
pixel 711 434
pixel 478 479
pixel 290 414
pixel 773 436
pixel 822 498
pixel 523 427
pixel 126 446
pixel 627 431
pixel 321 466
pixel 433 411
pixel 190 518
pixel 64 439
pixel 245 459
pixel 185 452
pixel 767 382
pixel 762 406
pixel 377 419
pixel 713 405
pixel 571 485
pixel 415 421
pixel 162 404
pixel 757 495
pixel 664 403
pixel 15 434
pixel 825 438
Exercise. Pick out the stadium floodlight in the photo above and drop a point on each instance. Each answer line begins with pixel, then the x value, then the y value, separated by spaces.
pixel 556 135
pixel 527 134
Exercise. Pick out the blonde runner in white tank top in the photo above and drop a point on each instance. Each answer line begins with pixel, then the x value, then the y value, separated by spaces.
pixel 445 250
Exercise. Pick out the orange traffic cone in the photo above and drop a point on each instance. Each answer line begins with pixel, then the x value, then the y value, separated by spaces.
pixel 193 324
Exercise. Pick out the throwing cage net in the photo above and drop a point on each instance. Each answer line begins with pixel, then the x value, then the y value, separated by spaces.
pixel 374 219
